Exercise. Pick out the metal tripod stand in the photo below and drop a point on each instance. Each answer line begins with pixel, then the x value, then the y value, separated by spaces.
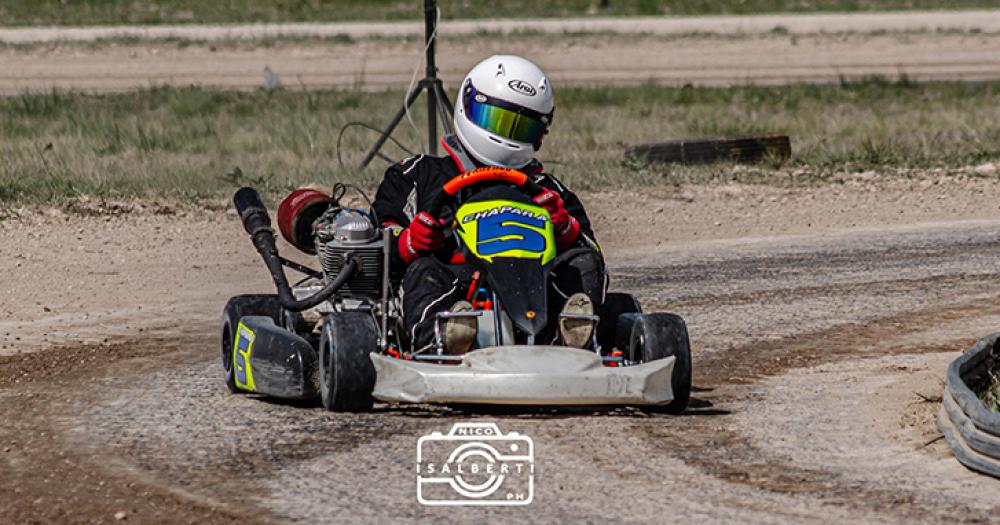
pixel 438 105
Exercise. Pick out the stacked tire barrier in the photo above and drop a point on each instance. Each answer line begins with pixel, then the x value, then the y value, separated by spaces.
pixel 970 427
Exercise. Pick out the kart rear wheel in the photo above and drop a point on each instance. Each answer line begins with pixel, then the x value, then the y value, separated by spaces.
pixel 658 336
pixel 346 372
pixel 236 308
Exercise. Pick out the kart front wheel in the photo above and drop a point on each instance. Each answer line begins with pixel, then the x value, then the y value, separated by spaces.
pixel 659 336
pixel 346 373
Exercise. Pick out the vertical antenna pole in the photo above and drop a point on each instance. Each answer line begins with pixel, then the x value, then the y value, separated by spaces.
pixel 430 27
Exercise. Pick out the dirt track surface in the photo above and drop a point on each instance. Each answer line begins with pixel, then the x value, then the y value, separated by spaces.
pixel 859 46
pixel 816 329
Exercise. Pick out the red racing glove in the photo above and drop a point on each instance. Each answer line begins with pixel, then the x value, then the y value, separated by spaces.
pixel 566 226
pixel 424 235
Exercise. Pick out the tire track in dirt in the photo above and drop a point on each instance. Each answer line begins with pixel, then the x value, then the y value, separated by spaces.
pixel 729 456
pixel 738 463
pixel 841 290
pixel 47 480
pixel 158 416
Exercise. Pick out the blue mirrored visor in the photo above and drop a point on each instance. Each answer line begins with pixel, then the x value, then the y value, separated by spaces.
pixel 504 118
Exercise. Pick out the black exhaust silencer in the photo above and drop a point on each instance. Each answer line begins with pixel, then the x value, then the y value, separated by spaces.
pixel 257 223
pixel 252 211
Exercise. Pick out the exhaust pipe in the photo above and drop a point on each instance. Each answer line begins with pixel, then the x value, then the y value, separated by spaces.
pixel 257 223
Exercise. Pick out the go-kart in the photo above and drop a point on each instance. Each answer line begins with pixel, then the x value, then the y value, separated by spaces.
pixel 337 334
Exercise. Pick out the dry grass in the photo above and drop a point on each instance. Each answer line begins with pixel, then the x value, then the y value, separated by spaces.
pixel 874 124
pixel 194 144
pixel 89 12
pixel 990 393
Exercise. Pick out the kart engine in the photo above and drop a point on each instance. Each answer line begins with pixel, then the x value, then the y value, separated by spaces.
pixel 341 232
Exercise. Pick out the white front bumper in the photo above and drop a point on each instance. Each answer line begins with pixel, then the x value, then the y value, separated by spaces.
pixel 524 375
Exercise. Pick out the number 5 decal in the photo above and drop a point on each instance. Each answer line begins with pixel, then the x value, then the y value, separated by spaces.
pixel 242 348
pixel 509 231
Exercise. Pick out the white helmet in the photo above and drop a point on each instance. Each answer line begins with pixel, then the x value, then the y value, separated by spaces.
pixel 504 108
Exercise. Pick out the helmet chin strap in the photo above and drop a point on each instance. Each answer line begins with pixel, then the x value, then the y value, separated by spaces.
pixel 467 162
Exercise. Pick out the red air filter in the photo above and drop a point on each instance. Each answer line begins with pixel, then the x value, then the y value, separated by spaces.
pixel 296 215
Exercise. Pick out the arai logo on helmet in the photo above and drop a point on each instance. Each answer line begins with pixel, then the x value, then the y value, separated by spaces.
pixel 522 87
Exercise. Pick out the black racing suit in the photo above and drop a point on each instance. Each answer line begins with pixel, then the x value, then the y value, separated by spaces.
pixel 431 284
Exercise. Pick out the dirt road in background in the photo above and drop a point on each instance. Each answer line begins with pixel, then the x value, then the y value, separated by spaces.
pixel 760 50
pixel 816 330
pixel 981 21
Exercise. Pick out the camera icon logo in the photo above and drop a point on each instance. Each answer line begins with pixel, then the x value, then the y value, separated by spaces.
pixel 475 464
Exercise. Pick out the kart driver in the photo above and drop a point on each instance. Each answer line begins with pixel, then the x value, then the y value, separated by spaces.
pixel 504 109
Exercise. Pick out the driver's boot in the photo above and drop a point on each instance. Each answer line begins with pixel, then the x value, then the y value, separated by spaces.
pixel 576 332
pixel 459 332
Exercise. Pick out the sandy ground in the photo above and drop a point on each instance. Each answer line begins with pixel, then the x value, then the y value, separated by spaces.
pixel 821 318
pixel 759 58
pixel 983 21
pixel 817 316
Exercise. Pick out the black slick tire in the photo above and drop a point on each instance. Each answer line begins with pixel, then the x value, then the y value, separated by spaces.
pixel 346 373
pixel 658 336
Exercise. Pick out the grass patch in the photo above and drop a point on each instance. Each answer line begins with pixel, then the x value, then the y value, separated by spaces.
pixel 197 143
pixel 990 390
pixel 991 394
pixel 179 42
pixel 286 41
pixel 91 12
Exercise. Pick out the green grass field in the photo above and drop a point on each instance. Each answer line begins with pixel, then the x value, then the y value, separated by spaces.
pixel 990 393
pixel 187 144
pixel 90 12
